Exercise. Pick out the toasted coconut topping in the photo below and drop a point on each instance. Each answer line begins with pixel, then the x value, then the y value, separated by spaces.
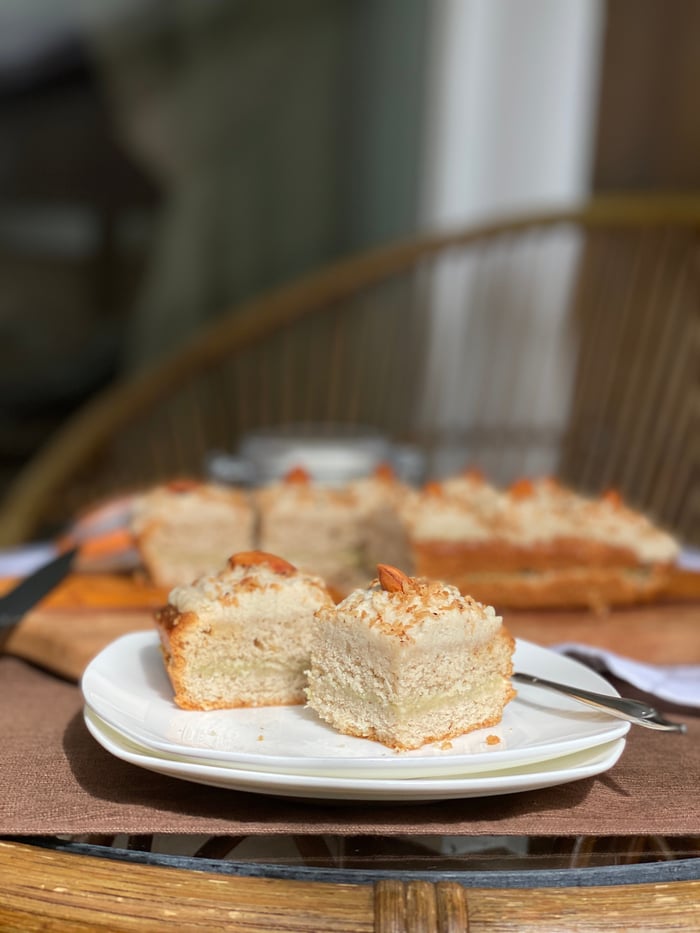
pixel 405 613
pixel 213 593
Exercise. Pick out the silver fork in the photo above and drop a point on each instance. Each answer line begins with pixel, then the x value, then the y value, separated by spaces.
pixel 636 711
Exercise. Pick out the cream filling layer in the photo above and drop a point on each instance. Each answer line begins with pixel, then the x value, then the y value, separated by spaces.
pixel 240 669
pixel 412 707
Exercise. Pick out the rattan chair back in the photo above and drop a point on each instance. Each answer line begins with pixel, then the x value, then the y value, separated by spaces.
pixel 565 343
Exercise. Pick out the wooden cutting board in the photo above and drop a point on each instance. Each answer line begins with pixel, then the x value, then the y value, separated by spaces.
pixel 80 617
pixel 86 612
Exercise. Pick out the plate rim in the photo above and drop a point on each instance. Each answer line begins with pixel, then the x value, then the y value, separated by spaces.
pixel 304 764
pixel 337 787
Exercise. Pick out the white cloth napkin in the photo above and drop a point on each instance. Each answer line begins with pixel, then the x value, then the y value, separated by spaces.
pixel 677 683
pixel 689 559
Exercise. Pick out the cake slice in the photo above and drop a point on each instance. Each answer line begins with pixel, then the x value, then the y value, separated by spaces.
pixel 318 528
pixel 382 500
pixel 186 528
pixel 409 661
pixel 241 637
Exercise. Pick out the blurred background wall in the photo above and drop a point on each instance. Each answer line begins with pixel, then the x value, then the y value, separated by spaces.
pixel 161 161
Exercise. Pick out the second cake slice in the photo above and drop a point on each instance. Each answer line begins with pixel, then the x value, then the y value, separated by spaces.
pixel 409 661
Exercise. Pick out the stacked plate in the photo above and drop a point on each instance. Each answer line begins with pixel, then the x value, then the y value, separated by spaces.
pixel 543 740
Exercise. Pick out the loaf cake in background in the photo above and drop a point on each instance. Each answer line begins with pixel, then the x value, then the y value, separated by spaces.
pixel 409 661
pixel 241 637
pixel 186 528
pixel 537 544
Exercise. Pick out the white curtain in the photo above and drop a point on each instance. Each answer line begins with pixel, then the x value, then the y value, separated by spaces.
pixel 510 114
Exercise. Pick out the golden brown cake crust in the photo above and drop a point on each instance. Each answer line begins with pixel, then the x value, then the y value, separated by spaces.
pixel 534 544
pixel 593 588
pixel 442 737
pixel 172 625
pixel 433 557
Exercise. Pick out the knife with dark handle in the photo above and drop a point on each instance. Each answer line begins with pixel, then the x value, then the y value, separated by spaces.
pixel 31 590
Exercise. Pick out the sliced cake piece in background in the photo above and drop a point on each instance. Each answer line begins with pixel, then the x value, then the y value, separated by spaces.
pixel 384 501
pixel 318 528
pixel 186 528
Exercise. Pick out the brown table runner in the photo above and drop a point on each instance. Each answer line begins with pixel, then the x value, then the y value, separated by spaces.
pixel 55 778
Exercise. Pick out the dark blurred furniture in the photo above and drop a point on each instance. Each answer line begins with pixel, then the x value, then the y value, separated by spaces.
pixel 604 297
pixel 66 190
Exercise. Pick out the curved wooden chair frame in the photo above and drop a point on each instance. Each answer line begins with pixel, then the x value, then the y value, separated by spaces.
pixel 30 498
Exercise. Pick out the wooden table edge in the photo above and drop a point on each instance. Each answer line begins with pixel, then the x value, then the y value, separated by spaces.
pixel 45 889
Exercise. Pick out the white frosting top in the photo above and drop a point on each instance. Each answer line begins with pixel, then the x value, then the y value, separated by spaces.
pixel 461 510
pixel 211 594
pixel 615 524
pixel 377 492
pixel 421 603
pixel 196 501
pixel 289 497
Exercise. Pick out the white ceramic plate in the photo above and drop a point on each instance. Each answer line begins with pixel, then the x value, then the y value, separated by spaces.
pixel 127 686
pixel 562 770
